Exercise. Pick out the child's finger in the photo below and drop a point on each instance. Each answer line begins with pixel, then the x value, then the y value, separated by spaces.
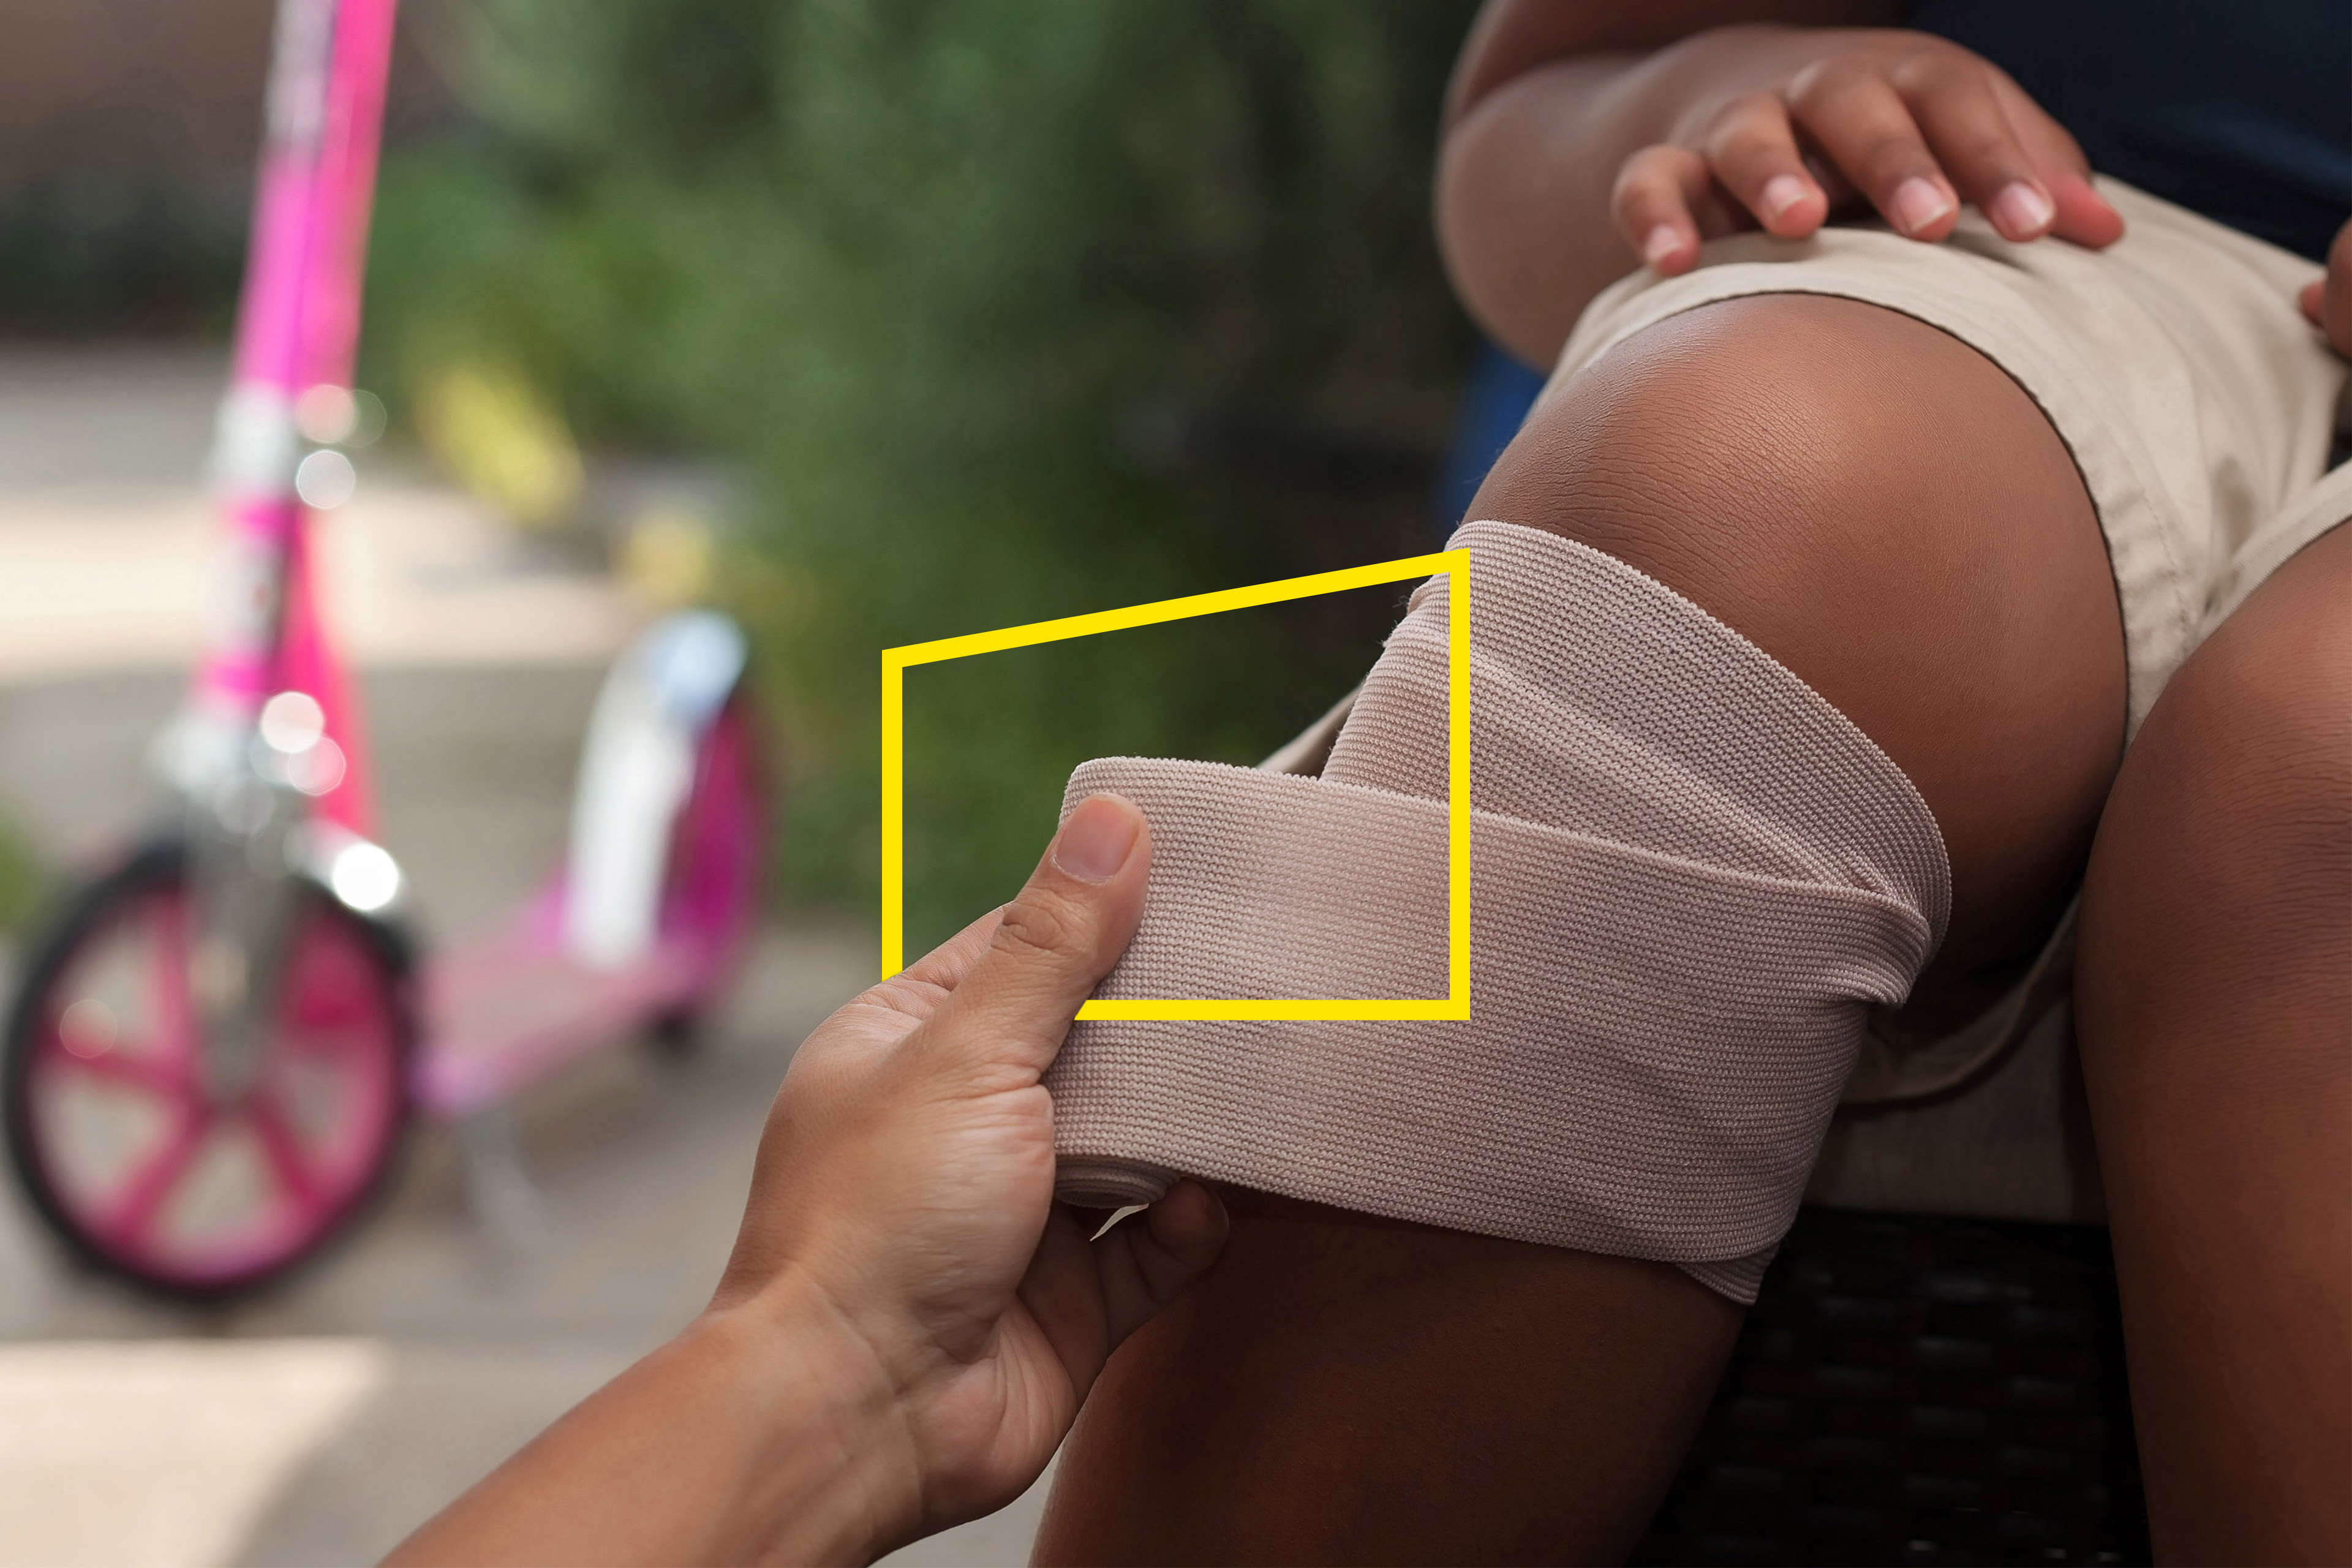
pixel 2328 301
pixel 1862 125
pixel 1658 190
pixel 1752 149
pixel 2084 216
pixel 1951 98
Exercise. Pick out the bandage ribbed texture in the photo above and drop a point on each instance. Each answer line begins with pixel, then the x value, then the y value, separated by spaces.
pixel 1689 877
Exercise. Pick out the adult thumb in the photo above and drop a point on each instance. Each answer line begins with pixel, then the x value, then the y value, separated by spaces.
pixel 1054 943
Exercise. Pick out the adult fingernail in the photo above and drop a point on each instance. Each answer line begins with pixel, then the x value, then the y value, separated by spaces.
pixel 1780 193
pixel 1918 204
pixel 1663 242
pixel 1098 838
pixel 2021 210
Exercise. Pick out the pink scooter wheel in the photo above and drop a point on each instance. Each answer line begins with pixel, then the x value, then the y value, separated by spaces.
pixel 141 1168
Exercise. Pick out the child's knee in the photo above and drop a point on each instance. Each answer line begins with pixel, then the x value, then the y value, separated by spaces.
pixel 1882 510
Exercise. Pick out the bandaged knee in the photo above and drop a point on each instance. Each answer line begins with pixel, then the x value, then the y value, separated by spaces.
pixel 1690 875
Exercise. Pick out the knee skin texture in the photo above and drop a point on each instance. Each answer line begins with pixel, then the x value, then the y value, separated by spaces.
pixel 1884 512
pixel 2213 1004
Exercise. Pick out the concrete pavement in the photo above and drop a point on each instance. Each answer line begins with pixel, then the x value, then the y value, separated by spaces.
pixel 319 1423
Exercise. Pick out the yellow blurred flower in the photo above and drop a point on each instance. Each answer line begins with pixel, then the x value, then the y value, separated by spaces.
pixel 500 439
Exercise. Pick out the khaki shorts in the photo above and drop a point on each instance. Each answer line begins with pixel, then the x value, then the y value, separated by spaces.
pixel 2201 408
pixel 2198 402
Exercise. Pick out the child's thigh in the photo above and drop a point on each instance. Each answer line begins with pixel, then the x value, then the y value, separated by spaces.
pixel 1885 511
pixel 2213 1004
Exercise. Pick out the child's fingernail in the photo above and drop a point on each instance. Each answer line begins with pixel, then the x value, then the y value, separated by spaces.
pixel 2021 210
pixel 1098 838
pixel 1919 205
pixel 1780 193
pixel 1663 241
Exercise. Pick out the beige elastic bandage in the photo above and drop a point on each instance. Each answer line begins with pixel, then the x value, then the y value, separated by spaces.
pixel 1690 875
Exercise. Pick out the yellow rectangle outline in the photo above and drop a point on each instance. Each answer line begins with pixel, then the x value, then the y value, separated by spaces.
pixel 1455 1004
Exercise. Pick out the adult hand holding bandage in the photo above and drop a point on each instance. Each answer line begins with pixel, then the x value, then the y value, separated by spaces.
pixel 909 1323
pixel 1690 878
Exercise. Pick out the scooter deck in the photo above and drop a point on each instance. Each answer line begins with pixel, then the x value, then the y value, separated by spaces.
pixel 504 1013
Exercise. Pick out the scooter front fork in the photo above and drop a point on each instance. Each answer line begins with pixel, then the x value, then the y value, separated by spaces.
pixel 243 887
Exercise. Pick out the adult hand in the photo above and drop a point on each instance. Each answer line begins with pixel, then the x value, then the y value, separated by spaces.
pixel 904 1188
pixel 2328 301
pixel 1902 121
pixel 909 1323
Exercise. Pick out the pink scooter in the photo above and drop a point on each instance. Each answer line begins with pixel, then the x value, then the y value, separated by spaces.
pixel 218 1043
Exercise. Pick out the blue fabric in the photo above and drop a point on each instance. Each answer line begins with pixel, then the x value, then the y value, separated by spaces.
pixel 2239 110
pixel 1495 397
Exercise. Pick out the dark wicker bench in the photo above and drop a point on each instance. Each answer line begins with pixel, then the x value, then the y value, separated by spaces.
pixel 1924 1389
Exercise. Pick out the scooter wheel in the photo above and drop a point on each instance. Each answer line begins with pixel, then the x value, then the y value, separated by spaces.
pixel 144 1169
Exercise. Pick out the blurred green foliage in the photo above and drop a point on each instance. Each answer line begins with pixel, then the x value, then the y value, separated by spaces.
pixel 1010 308
pixel 23 880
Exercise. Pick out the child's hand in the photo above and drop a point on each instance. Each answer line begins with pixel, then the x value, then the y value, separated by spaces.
pixel 1910 123
pixel 2328 301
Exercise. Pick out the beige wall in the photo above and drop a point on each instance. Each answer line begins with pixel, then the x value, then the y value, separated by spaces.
pixel 183 77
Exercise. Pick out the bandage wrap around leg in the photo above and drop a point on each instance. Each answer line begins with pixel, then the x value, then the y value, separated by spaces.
pixel 1690 875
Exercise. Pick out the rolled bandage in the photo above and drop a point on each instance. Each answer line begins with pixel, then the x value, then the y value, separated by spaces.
pixel 1690 875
